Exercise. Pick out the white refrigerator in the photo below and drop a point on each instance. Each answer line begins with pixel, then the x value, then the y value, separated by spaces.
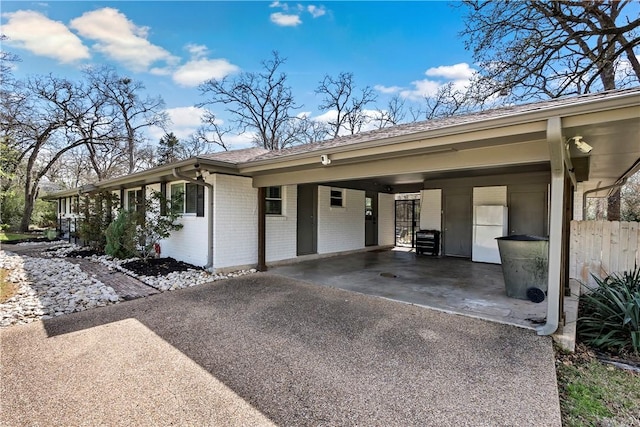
pixel 489 222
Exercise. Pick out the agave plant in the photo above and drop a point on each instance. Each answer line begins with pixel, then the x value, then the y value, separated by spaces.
pixel 610 312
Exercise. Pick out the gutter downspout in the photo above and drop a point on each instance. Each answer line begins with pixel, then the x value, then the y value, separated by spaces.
pixel 595 190
pixel 557 153
pixel 203 183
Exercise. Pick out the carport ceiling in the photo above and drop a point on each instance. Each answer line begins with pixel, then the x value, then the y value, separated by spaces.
pixel 616 148
pixel 403 183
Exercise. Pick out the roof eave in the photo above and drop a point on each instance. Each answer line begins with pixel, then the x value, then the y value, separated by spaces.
pixel 148 176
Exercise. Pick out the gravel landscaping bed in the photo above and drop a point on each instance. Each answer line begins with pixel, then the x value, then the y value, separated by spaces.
pixel 47 288
pixel 49 285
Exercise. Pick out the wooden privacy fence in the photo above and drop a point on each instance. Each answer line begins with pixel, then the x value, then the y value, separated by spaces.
pixel 602 248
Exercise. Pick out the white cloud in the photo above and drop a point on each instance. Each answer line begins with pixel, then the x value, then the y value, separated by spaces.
pixel 326 117
pixel 184 122
pixel 186 116
pixel 283 6
pixel 285 20
pixel 197 71
pixel 120 39
pixel 421 89
pixel 387 89
pixel 161 71
pixel 243 140
pixel 292 17
pixel 459 75
pixel 42 36
pixel 316 11
pixel 197 50
pixel 460 71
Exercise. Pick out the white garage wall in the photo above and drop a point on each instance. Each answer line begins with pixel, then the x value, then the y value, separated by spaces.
pixel 386 219
pixel 431 209
pixel 281 229
pixel 340 229
pixel 235 233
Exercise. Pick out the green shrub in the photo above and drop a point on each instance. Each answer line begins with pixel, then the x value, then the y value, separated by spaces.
pixel 121 236
pixel 96 215
pixel 133 234
pixel 610 313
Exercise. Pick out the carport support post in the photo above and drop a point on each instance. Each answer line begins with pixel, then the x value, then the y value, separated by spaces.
pixel 557 152
pixel 262 232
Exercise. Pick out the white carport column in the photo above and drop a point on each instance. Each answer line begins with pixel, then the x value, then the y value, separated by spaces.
pixel 557 152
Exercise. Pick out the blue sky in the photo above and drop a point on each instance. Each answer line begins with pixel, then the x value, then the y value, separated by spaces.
pixel 406 48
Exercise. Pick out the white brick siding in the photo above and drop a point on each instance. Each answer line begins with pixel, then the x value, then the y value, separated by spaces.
pixel 189 244
pixel 235 234
pixel 495 196
pixel 431 209
pixel 386 219
pixel 281 229
pixel 340 229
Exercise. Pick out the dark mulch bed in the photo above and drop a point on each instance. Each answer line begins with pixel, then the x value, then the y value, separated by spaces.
pixel 157 266
pixel 30 240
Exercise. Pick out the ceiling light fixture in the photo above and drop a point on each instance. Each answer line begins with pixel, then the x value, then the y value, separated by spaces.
pixel 581 145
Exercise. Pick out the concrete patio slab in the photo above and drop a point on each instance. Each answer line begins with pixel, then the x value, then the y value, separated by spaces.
pixel 266 349
pixel 453 285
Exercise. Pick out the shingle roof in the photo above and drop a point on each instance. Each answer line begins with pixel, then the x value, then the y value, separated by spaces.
pixel 416 127
pixel 236 156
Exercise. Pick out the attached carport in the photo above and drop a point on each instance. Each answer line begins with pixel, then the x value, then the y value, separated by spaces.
pixel 534 138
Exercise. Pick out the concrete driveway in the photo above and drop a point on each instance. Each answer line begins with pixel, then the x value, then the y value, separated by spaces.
pixel 265 349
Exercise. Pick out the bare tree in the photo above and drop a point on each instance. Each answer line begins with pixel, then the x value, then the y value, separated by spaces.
pixel 7 59
pixel 631 199
pixel 309 130
pixel 210 133
pixel 133 112
pixel 544 49
pixel 341 96
pixel 394 114
pixel 39 129
pixel 258 102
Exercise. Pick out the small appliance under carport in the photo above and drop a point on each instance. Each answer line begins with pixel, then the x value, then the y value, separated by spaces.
pixel 428 242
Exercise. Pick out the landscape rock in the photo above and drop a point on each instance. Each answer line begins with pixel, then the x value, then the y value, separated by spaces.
pixel 49 285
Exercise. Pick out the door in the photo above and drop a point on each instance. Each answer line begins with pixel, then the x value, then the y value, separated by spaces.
pixel 528 212
pixel 457 225
pixel 371 219
pixel 307 227
pixel 407 215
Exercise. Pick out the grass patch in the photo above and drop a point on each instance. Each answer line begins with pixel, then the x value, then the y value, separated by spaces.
pixel 7 289
pixel 9 237
pixel 593 393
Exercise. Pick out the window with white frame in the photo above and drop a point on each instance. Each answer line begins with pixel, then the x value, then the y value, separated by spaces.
pixel 188 198
pixel 337 198
pixel 273 200
pixel 134 200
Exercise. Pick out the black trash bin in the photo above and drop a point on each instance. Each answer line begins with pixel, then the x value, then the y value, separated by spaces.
pixel 525 265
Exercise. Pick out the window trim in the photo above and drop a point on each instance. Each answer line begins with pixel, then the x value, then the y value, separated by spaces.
pixel 333 197
pixel 198 198
pixel 274 199
pixel 138 196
